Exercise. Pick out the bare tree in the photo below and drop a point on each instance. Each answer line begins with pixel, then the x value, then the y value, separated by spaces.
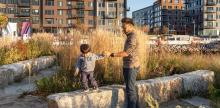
pixel 146 28
pixel 156 30
pixel 165 30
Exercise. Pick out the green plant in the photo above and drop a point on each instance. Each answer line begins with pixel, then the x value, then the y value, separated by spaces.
pixel 151 102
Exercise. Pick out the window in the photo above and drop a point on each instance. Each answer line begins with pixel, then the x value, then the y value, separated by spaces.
pixel 101 13
pixel 91 22
pixel 80 4
pixel 110 22
pixel 49 2
pixel 210 16
pixel 60 21
pixel 35 20
pixel 176 1
pixel 35 12
pixel 25 11
pixel 49 12
pixel 80 13
pixel 210 9
pixel 35 2
pixel 11 11
pixel 60 3
pixel 111 5
pixel 11 1
pixel 49 21
pixel 111 14
pixel 24 19
pixel 60 12
pixel 12 19
pixel 210 24
pixel 69 21
pixel 101 22
pixel 2 10
pixel 101 4
pixel 81 20
pixel 91 13
pixel 90 4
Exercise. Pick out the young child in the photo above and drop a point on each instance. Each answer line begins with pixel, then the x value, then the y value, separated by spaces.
pixel 86 65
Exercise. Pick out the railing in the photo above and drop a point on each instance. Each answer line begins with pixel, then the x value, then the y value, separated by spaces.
pixel 23 14
pixel 211 3
pixel 210 19
pixel 210 11
pixel 110 17
pixel 75 6
pixel 23 3
pixel 209 27
pixel 75 16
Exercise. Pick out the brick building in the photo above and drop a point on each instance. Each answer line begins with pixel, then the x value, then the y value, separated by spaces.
pixel 58 16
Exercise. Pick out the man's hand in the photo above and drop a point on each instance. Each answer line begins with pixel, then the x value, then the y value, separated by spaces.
pixel 112 55
pixel 76 72
pixel 119 54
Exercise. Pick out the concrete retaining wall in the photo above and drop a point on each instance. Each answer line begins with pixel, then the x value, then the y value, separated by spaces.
pixel 160 89
pixel 17 71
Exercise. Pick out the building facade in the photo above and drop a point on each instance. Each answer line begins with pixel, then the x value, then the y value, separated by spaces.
pixel 169 13
pixel 204 15
pixel 193 17
pixel 59 15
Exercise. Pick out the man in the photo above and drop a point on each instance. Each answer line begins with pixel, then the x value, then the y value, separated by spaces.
pixel 131 62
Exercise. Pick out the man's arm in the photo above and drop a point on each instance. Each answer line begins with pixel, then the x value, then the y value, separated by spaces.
pixel 129 48
pixel 119 54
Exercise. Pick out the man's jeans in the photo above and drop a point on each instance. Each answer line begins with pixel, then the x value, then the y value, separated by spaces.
pixel 130 75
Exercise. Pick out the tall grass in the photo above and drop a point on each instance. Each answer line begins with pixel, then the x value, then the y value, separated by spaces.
pixel 109 70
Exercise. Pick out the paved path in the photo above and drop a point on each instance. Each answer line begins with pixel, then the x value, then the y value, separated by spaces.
pixel 9 96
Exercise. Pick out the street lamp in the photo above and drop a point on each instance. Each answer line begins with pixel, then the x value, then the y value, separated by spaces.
pixel 194 27
pixel 169 28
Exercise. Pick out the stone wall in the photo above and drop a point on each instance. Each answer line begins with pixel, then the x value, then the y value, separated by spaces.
pixel 160 89
pixel 17 71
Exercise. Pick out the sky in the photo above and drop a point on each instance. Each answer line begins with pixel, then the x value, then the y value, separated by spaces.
pixel 138 4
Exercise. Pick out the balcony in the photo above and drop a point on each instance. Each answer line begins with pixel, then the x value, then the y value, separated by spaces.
pixel 24 3
pixel 210 19
pixel 71 16
pixel 23 14
pixel 210 3
pixel 75 6
pixel 110 17
pixel 210 11
pixel 209 27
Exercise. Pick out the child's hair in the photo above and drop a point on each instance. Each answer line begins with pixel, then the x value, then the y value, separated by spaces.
pixel 85 48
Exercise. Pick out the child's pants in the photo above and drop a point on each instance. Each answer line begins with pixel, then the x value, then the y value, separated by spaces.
pixel 85 76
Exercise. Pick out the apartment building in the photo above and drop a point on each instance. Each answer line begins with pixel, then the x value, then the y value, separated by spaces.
pixel 168 13
pixel 143 16
pixel 204 15
pixel 60 15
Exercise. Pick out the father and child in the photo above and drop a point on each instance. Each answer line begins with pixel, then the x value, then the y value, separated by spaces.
pixel 86 64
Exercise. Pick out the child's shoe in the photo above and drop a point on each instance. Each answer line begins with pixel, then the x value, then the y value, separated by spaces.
pixel 95 89
pixel 86 90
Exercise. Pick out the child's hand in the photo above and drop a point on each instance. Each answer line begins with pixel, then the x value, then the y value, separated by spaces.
pixel 76 72
pixel 106 53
